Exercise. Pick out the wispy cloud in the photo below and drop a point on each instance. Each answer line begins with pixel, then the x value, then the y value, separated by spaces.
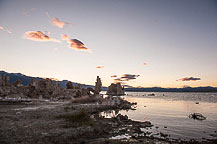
pixel 127 77
pixel 64 37
pixel 56 22
pixel 38 36
pixel 100 67
pixel 76 44
pixel 188 79
pixel 6 30
pixel 124 78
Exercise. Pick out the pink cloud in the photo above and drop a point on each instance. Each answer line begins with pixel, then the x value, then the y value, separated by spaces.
pixel 99 67
pixel 76 44
pixel 38 36
pixel 56 22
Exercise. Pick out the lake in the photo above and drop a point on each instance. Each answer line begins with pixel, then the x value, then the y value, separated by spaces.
pixel 169 113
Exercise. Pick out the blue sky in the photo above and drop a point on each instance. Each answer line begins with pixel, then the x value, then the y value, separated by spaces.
pixel 176 39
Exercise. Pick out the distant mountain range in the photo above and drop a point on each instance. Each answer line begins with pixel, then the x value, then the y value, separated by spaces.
pixel 26 80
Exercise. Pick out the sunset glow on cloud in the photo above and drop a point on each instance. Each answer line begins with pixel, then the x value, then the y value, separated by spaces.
pixel 99 67
pixel 188 79
pixel 76 44
pixel 57 22
pixel 125 78
pixel 114 76
pixel 38 36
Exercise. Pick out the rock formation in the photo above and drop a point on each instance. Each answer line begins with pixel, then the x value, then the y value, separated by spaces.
pixel 69 85
pixel 17 83
pixel 115 90
pixel 6 81
pixel 45 88
pixel 98 86
pixel 33 83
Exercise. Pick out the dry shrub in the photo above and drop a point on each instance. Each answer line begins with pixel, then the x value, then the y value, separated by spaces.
pixel 78 119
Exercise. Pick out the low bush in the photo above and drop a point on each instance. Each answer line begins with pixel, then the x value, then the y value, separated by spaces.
pixel 78 119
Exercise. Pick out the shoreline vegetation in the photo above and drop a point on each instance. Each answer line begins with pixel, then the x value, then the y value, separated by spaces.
pixel 42 112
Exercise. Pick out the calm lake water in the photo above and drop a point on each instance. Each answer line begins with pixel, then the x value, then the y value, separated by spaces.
pixel 169 113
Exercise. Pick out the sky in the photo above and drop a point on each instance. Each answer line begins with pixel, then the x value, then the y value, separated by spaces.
pixel 141 43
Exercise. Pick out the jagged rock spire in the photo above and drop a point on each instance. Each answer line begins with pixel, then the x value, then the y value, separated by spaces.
pixel 98 85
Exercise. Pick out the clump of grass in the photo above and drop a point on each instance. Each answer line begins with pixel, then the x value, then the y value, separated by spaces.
pixel 85 99
pixel 78 119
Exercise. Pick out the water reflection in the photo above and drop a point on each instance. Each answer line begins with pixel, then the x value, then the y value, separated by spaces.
pixel 170 113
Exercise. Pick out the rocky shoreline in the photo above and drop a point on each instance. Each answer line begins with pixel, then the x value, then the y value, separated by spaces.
pixel 43 121
pixel 44 113
pixel 38 122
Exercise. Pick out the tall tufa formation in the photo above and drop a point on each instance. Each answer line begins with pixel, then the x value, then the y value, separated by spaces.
pixel 98 86
pixel 5 81
pixel 115 90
